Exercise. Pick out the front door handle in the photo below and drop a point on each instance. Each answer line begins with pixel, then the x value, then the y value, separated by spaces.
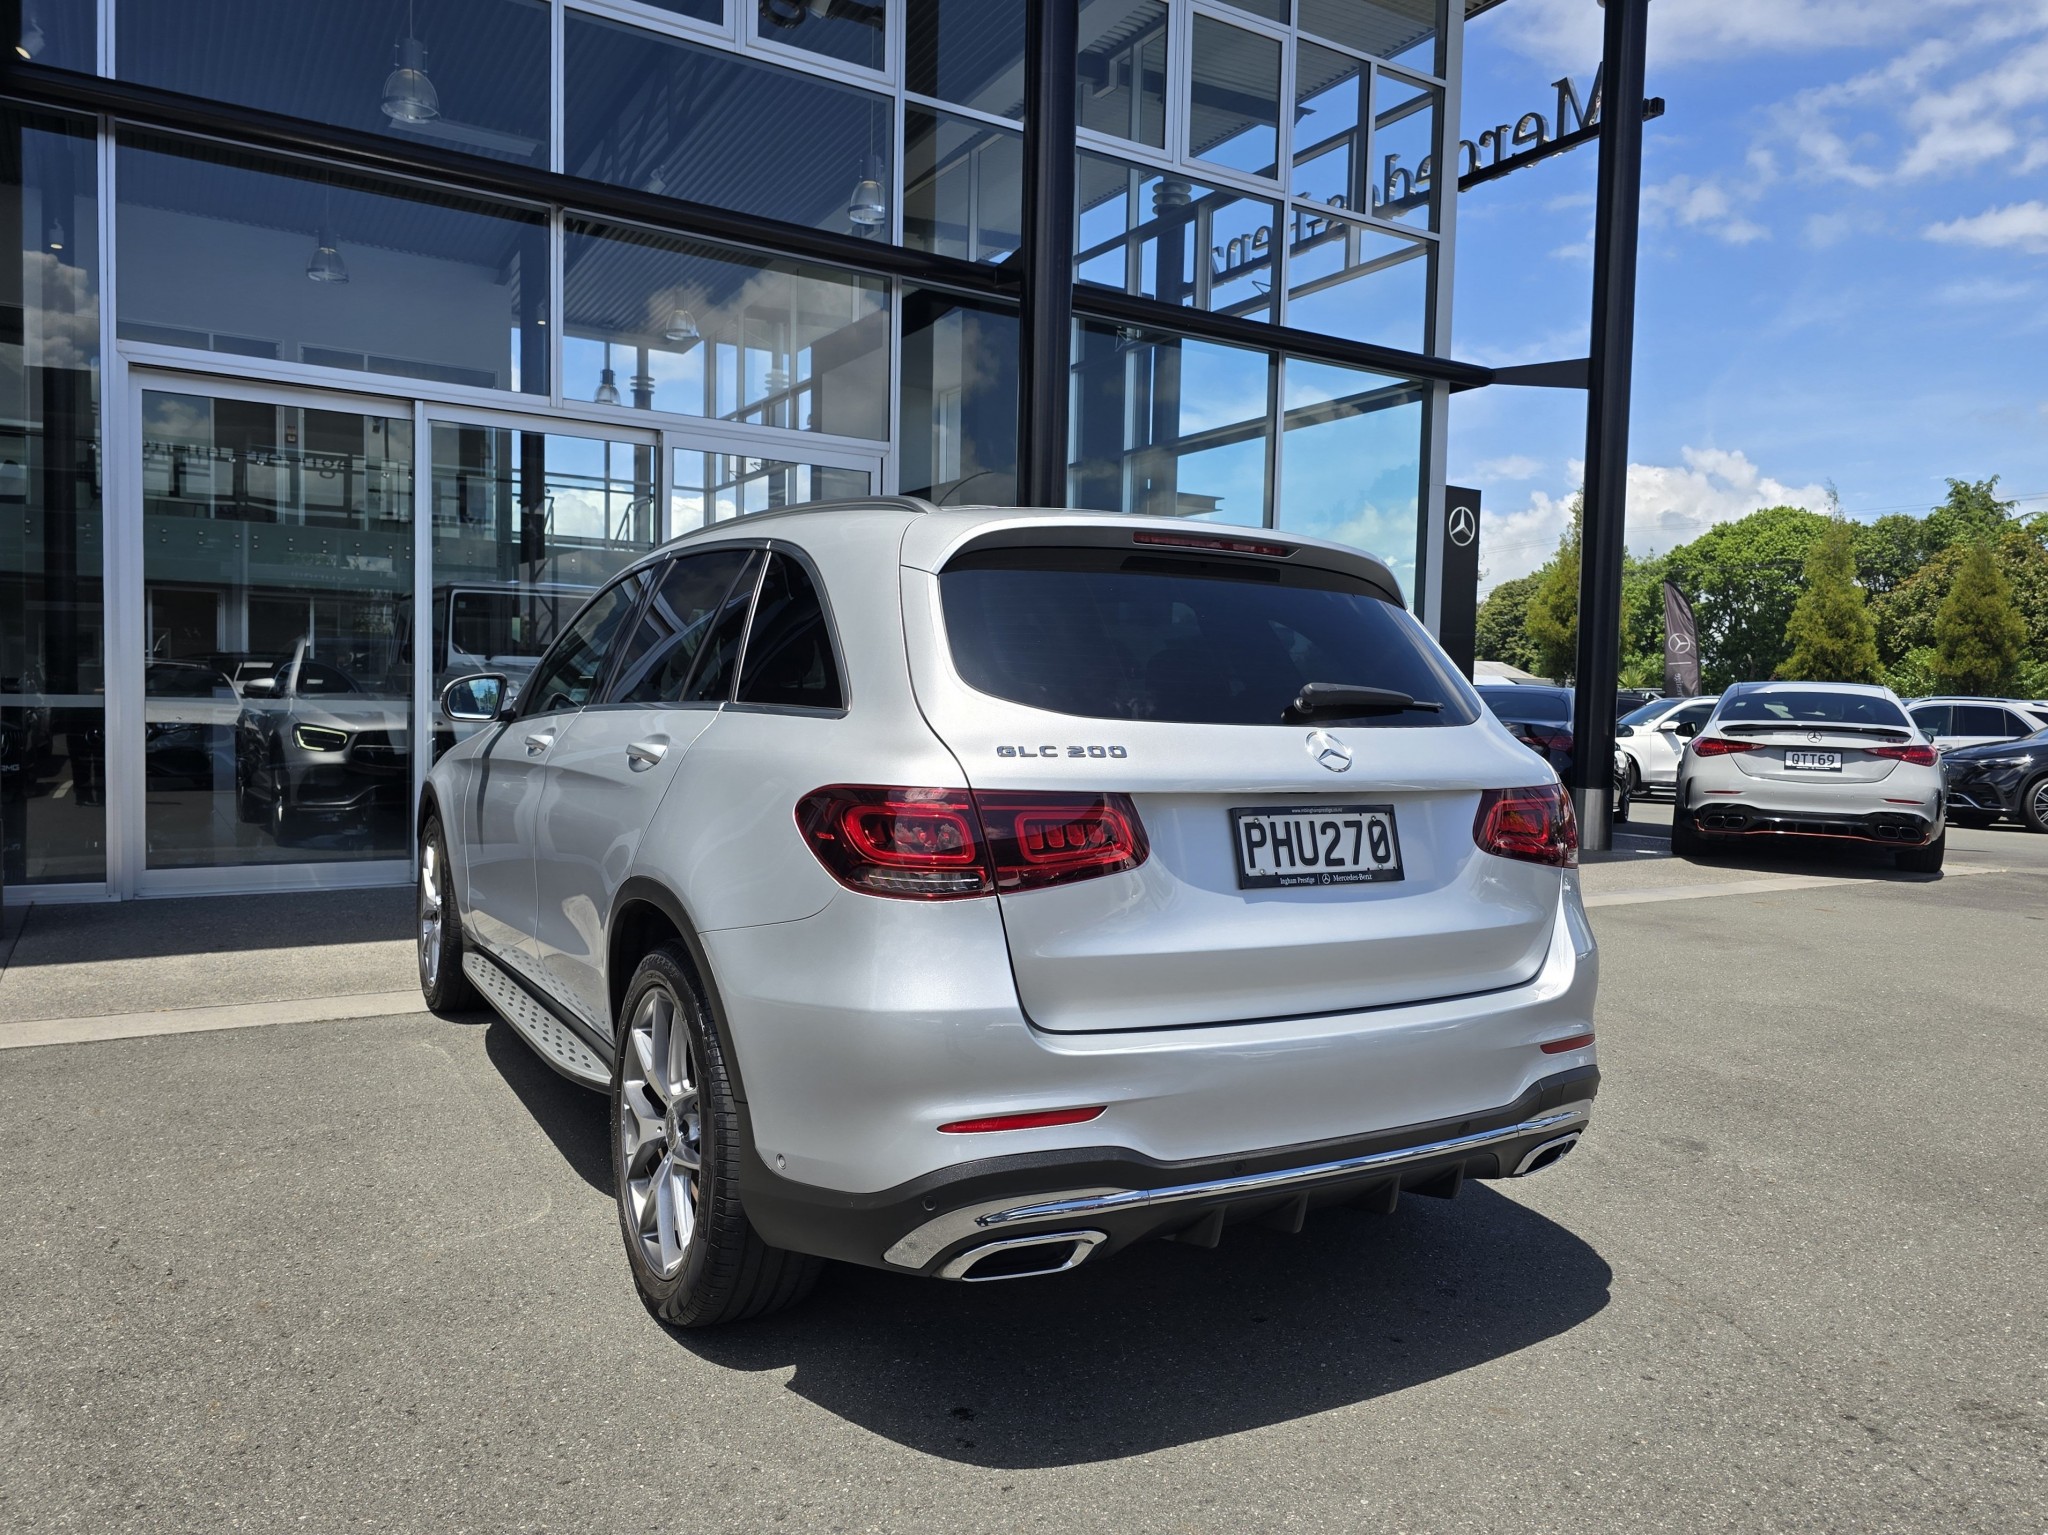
pixel 642 755
pixel 539 742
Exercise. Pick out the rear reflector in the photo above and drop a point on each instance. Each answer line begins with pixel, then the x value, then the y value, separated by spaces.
pixel 1036 1120
pixel 1720 746
pixel 946 844
pixel 1535 825
pixel 1220 544
pixel 1574 1042
pixel 1918 756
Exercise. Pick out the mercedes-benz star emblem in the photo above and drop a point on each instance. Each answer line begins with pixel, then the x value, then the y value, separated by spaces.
pixel 1464 526
pixel 1814 736
pixel 1329 751
pixel 1681 644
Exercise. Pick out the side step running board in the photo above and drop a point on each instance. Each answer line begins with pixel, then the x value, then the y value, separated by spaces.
pixel 559 1045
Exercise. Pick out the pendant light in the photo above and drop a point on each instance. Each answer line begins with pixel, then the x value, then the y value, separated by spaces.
pixel 32 39
pixel 868 209
pixel 607 381
pixel 682 326
pixel 326 264
pixel 409 96
pixel 55 236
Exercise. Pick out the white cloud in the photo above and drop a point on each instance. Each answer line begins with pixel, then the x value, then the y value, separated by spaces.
pixel 1668 505
pixel 2018 226
pixel 1516 466
pixel 1985 290
pixel 1703 203
pixel 1566 33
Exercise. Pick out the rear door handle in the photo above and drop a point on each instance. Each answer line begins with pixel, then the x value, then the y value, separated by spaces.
pixel 642 755
pixel 538 743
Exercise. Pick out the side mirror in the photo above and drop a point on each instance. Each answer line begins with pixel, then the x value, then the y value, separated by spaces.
pixel 1686 730
pixel 477 699
pixel 260 687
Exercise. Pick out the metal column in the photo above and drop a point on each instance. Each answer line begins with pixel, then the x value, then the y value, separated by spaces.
pixel 1618 215
pixel 1050 44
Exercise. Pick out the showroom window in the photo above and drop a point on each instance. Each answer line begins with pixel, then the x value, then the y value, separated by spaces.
pixel 227 251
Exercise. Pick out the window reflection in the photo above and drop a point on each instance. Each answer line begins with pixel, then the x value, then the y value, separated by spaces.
pixel 704 330
pixel 470 75
pixel 1122 69
pixel 226 251
pixel 715 487
pixel 1403 150
pixel 52 659
pixel 1351 461
pixel 702 124
pixel 851 31
pixel 1169 426
pixel 962 186
pixel 1330 162
pixel 959 414
pixel 1234 116
pixel 1161 235
pixel 970 52
pixel 61 33
pixel 1351 280
pixel 1405 31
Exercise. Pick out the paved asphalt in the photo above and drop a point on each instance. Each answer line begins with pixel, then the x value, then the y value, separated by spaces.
pixel 364 1276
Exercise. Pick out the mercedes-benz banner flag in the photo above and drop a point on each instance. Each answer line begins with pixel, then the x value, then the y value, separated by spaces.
pixel 1681 646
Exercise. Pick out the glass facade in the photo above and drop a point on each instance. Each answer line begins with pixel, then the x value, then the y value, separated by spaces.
pixel 357 421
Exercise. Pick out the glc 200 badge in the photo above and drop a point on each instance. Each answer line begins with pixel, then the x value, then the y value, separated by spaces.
pixel 1329 751
pixel 1062 751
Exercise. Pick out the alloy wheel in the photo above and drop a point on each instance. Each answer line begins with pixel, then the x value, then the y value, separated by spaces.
pixel 2039 803
pixel 660 1131
pixel 430 913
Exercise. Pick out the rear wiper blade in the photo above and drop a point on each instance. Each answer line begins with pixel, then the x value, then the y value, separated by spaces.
pixel 1320 698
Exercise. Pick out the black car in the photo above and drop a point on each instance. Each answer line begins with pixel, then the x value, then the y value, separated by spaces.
pixel 1541 719
pixel 2004 778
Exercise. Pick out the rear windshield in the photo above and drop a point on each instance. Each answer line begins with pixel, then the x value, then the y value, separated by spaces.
pixel 1106 634
pixel 1813 706
pixel 1528 706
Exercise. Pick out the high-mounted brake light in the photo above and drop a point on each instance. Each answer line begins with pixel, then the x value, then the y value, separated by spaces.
pixel 1720 746
pixel 1218 543
pixel 947 844
pixel 1918 756
pixel 1036 1120
pixel 1535 825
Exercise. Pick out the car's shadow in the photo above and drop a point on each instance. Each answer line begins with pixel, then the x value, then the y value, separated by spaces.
pixel 1166 1345
pixel 1836 860
pixel 573 1117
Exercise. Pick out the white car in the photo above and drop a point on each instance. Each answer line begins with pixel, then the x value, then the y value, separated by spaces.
pixel 1652 738
pixel 1953 722
pixel 1812 759
pixel 970 893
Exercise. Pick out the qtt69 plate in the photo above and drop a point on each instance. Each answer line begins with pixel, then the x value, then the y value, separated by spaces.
pixel 1282 846
pixel 1814 762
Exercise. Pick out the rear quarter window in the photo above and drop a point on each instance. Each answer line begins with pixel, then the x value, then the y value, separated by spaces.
pixel 1108 634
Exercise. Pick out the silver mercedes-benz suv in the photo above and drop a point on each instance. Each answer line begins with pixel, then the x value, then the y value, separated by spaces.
pixel 973 892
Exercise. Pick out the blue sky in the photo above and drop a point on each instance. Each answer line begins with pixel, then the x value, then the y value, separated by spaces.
pixel 1844 274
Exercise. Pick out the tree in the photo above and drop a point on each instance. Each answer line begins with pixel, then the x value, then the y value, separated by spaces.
pixel 1830 635
pixel 1499 635
pixel 1743 578
pixel 1905 616
pixel 1552 622
pixel 1971 514
pixel 1889 551
pixel 1979 636
pixel 1642 622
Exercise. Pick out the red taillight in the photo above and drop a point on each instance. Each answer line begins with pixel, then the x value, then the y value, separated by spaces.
pixel 1572 1042
pixel 1720 746
pixel 1536 825
pixel 1918 756
pixel 946 844
pixel 1036 1120
pixel 1220 543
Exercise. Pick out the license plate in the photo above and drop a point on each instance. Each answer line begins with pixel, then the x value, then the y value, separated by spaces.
pixel 1814 762
pixel 1284 847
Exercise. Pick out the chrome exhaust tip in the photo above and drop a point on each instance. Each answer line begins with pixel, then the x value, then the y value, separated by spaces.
pixel 1544 1155
pixel 1050 1252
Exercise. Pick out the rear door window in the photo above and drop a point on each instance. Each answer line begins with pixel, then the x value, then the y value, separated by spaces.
pixel 1108 634
pixel 1932 720
pixel 1983 720
pixel 656 665
pixel 789 661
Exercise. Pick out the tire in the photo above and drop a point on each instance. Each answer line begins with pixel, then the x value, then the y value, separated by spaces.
pixel 1685 842
pixel 1924 860
pixel 1635 778
pixel 696 1258
pixel 439 920
pixel 2034 804
pixel 1623 798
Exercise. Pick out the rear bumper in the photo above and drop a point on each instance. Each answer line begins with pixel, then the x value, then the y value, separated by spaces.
pixel 1894 828
pixel 1110 1197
